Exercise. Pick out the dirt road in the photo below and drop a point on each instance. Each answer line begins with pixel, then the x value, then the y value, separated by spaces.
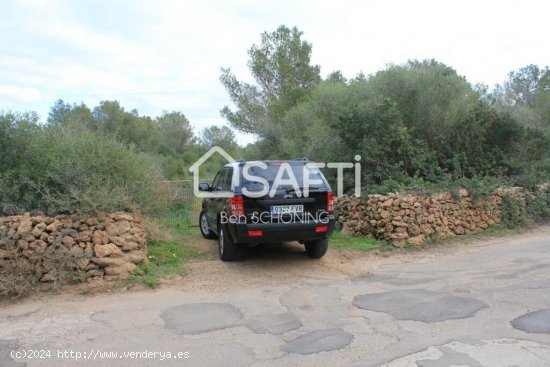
pixel 485 303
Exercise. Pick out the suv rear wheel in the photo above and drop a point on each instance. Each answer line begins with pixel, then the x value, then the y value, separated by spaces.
pixel 206 231
pixel 317 249
pixel 228 249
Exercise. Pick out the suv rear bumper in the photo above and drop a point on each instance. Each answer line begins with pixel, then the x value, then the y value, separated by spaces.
pixel 278 232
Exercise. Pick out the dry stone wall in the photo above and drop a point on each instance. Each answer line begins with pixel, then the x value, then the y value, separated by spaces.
pixel 402 218
pixel 106 246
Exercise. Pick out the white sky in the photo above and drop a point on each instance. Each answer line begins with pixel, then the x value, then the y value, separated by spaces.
pixel 167 55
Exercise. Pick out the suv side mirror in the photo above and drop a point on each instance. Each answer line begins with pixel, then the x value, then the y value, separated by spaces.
pixel 204 187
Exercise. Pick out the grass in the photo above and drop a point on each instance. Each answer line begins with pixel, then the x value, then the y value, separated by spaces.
pixel 341 241
pixel 500 230
pixel 179 229
pixel 495 231
pixel 167 254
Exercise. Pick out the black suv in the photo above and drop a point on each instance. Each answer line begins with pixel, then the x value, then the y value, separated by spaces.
pixel 258 202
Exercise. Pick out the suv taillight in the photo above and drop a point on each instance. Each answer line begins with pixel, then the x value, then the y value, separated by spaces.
pixel 237 205
pixel 330 202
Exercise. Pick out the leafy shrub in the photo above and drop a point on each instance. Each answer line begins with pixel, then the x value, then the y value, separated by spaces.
pixel 513 213
pixel 480 187
pixel 66 170
pixel 90 172
pixel 538 206
pixel 387 186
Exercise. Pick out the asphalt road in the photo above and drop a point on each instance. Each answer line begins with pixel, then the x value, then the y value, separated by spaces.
pixel 477 304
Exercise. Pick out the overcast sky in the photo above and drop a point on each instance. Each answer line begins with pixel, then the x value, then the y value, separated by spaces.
pixel 167 55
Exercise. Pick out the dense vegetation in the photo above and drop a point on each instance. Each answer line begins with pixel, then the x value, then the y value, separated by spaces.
pixel 417 125
pixel 104 159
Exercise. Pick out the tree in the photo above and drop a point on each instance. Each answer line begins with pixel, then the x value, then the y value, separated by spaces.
pixel 523 84
pixel 176 133
pixel 281 68
pixel 128 127
pixel 58 113
pixel 76 116
pixel 526 96
pixel 430 95
pixel 222 136
pixel 17 132
pixel 374 129
pixel 336 77
pixel 483 143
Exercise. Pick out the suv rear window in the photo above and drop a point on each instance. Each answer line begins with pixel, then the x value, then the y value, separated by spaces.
pixel 270 173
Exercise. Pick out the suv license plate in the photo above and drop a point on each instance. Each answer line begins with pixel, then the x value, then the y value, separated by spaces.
pixel 287 209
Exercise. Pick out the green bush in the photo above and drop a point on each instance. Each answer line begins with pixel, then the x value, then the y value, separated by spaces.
pixel 89 172
pixel 480 187
pixel 513 213
pixel 538 206
pixel 66 170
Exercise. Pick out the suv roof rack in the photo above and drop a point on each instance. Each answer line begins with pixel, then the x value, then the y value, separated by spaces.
pixel 301 159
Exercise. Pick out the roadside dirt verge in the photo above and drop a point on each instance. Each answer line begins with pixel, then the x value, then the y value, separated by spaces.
pixel 272 264
pixel 287 263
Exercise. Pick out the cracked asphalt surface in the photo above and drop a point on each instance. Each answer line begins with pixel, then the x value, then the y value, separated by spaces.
pixel 485 303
